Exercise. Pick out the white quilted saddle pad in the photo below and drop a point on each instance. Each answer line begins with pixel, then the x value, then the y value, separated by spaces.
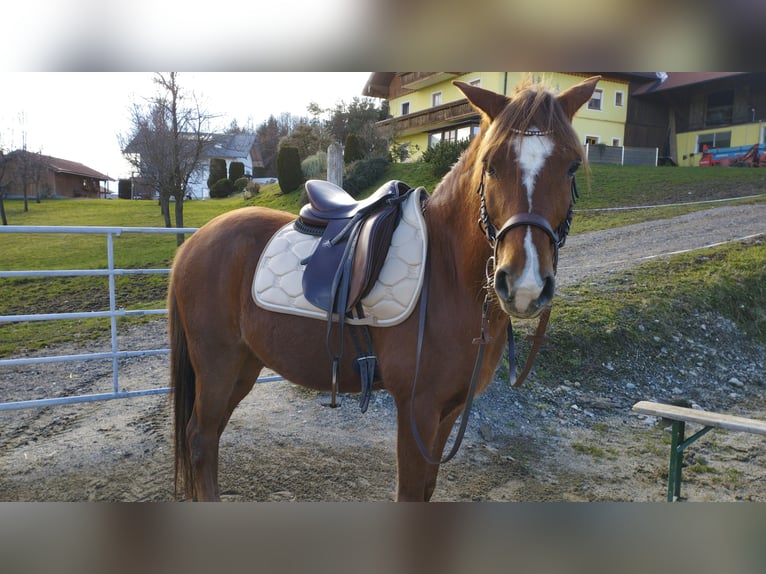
pixel 278 282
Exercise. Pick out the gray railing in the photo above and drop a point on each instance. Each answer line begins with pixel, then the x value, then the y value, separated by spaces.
pixel 621 155
pixel 115 354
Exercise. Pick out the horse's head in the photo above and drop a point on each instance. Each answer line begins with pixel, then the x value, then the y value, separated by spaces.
pixel 526 158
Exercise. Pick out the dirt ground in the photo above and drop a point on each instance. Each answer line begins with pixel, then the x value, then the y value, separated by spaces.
pixel 572 441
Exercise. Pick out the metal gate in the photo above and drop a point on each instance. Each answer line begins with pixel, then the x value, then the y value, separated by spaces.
pixel 115 354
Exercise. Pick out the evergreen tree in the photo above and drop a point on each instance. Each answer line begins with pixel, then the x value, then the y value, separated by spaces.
pixel 289 171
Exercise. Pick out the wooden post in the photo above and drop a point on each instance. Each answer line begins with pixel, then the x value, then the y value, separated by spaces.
pixel 335 164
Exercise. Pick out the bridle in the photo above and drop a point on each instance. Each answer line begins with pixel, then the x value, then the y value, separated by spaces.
pixel 494 236
pixel 558 236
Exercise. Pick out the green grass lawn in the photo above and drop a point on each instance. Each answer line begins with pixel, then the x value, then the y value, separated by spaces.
pixel 607 186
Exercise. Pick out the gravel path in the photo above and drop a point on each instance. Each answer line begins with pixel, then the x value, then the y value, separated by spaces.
pixel 589 254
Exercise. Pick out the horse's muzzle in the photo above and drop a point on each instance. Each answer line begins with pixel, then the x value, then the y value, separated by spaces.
pixel 523 300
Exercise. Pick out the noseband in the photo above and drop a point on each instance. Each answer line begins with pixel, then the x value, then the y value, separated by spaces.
pixel 558 236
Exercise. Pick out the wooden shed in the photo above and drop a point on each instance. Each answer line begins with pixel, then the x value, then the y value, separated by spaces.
pixel 47 176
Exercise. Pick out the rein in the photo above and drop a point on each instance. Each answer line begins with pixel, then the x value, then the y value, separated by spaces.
pixel 494 236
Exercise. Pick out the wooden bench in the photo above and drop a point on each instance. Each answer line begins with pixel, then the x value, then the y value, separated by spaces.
pixel 679 417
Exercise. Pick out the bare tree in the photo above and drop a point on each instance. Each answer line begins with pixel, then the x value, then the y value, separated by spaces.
pixel 166 142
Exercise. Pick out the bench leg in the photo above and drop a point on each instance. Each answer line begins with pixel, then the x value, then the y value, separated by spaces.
pixel 677 446
pixel 676 461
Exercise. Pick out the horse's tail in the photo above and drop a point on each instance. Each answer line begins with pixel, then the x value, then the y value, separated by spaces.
pixel 182 388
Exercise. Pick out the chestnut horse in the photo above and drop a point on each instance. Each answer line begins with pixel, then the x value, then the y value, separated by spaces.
pixel 522 164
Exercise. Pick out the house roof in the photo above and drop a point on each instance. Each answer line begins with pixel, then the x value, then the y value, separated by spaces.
pixel 58 165
pixel 378 84
pixel 677 80
pixel 230 146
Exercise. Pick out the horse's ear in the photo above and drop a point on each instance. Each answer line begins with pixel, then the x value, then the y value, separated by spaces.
pixel 488 102
pixel 573 98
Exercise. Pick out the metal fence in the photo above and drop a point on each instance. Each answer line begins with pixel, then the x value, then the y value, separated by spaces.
pixel 621 155
pixel 113 313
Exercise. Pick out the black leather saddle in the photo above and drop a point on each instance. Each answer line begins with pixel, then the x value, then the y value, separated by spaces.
pixel 356 236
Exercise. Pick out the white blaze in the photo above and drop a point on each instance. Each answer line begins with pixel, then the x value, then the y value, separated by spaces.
pixel 531 153
pixel 530 284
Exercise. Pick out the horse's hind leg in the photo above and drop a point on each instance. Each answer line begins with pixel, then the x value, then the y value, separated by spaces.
pixel 221 385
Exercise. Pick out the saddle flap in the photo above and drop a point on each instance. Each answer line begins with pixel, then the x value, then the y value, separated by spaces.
pixel 371 250
pixel 323 266
pixel 351 253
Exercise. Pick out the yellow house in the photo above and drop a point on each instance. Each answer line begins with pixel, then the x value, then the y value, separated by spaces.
pixel 427 108
pixel 664 117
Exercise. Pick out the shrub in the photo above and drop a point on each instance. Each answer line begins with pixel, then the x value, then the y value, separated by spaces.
pixel 217 172
pixel 241 183
pixel 289 171
pixel 352 149
pixel 222 188
pixel 361 174
pixel 315 166
pixel 443 155
pixel 125 189
pixel 236 170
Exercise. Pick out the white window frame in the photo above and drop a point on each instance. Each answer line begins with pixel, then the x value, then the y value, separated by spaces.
pixel 715 135
pixel 616 142
pixel 600 100
pixel 434 96
pixel 401 108
pixel 597 138
pixel 476 82
pixel 621 95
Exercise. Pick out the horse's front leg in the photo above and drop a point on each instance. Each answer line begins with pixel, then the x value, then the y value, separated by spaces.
pixel 445 429
pixel 416 476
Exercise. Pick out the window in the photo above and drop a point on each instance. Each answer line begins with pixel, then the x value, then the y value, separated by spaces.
pixel 591 140
pixel 619 99
pixel 595 100
pixel 476 82
pixel 453 135
pixel 716 139
pixel 719 107
pixel 436 99
pixel 616 142
pixel 405 108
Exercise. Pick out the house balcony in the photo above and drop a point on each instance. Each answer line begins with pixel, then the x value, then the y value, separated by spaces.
pixel 431 119
pixel 419 80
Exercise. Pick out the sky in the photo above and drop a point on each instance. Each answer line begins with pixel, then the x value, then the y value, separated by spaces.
pixel 78 116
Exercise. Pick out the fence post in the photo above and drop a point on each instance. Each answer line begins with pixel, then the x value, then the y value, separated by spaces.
pixel 335 164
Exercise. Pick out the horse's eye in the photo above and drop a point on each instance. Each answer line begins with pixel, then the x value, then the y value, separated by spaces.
pixel 573 167
pixel 491 171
